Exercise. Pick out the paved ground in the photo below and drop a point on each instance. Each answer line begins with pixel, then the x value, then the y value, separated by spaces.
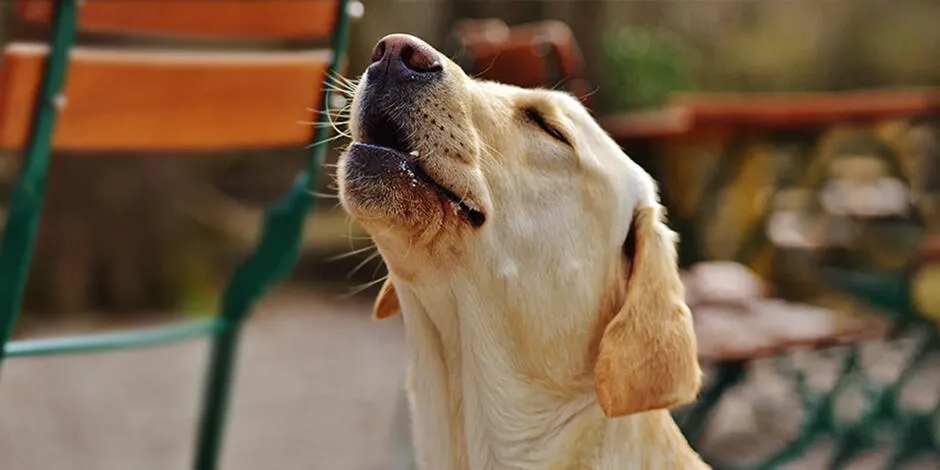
pixel 317 386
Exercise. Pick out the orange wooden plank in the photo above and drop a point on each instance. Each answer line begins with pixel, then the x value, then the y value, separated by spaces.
pixel 808 109
pixel 698 113
pixel 198 18
pixel 155 100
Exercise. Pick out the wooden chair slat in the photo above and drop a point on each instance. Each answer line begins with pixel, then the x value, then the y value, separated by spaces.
pixel 696 113
pixel 808 109
pixel 197 18
pixel 118 100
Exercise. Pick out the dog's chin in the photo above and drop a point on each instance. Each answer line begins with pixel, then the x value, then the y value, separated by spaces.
pixel 387 189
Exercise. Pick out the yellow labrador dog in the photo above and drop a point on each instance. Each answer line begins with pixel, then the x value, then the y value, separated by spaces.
pixel 541 298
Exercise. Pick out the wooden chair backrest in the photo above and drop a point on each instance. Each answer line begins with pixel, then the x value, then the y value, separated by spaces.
pixel 121 99
pixel 541 54
pixel 197 18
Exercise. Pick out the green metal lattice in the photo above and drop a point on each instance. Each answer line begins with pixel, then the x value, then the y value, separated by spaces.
pixel 272 260
pixel 884 423
pixel 903 435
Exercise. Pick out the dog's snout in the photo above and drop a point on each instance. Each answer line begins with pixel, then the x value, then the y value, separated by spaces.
pixel 403 54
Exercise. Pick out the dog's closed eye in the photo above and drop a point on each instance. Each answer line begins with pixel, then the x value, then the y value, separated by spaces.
pixel 538 119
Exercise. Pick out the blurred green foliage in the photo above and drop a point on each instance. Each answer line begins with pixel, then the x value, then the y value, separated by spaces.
pixel 642 68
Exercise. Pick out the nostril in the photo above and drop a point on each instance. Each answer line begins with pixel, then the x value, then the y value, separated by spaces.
pixel 419 60
pixel 407 56
pixel 378 52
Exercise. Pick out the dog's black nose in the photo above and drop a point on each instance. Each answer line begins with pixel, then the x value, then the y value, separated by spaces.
pixel 403 54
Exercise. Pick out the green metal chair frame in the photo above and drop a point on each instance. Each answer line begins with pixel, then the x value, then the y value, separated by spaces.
pixel 272 260
pixel 913 434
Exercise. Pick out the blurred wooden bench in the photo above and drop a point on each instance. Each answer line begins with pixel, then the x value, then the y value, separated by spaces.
pixel 100 99
pixel 689 114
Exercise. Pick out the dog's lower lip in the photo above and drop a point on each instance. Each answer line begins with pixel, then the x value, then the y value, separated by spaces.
pixel 466 207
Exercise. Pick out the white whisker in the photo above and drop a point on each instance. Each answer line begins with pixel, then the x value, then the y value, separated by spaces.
pixel 323 195
pixel 328 139
pixel 351 253
pixel 363 263
pixel 363 287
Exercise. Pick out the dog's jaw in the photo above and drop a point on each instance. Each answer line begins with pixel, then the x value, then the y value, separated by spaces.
pixel 412 169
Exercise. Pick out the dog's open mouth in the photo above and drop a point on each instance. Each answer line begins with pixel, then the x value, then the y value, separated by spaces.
pixel 385 133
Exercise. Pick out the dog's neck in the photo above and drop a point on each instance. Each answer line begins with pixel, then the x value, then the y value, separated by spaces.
pixel 501 380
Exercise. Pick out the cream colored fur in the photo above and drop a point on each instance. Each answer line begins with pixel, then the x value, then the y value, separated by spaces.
pixel 554 336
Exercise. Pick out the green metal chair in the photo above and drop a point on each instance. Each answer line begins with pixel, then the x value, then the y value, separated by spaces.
pixel 279 242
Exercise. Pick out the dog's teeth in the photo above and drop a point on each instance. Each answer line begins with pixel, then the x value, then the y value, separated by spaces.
pixel 414 153
pixel 471 205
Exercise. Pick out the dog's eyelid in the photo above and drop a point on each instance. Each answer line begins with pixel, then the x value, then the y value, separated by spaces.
pixel 538 118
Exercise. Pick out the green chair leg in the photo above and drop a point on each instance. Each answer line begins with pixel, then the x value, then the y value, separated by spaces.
pixel 19 236
pixel 276 253
pixel 216 398
pixel 271 262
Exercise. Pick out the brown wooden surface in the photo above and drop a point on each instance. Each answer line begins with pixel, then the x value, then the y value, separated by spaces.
pixel 808 109
pixel 155 100
pixel 198 18
pixel 690 113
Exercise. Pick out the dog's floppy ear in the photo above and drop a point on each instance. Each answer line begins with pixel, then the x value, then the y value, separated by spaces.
pixel 647 358
pixel 386 303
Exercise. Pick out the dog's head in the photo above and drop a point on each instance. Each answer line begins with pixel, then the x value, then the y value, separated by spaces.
pixel 452 175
